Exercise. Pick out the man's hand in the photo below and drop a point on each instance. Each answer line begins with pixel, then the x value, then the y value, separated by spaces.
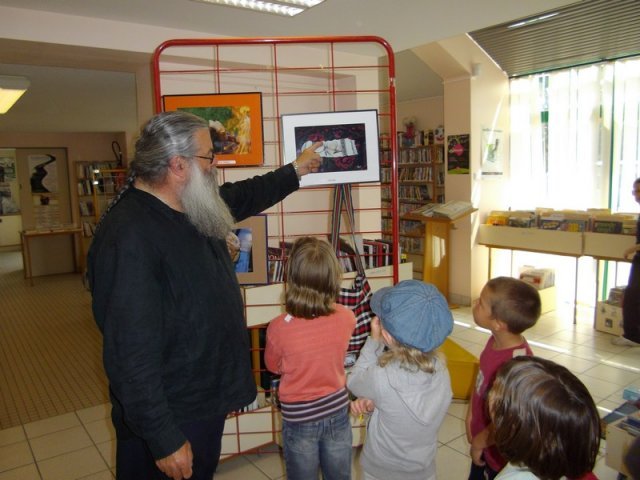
pixel 309 161
pixel 179 464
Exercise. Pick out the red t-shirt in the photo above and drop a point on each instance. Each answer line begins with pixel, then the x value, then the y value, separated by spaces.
pixel 490 361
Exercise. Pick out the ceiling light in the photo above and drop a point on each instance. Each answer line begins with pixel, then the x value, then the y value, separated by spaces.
pixel 287 8
pixel 529 21
pixel 11 89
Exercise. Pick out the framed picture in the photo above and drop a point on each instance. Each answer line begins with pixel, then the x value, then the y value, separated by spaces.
pixel 235 123
pixel 349 147
pixel 251 260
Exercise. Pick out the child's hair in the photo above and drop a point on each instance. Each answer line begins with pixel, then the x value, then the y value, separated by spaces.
pixel 544 418
pixel 417 316
pixel 410 358
pixel 514 302
pixel 313 278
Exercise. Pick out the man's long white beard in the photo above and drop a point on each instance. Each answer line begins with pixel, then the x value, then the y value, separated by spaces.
pixel 203 205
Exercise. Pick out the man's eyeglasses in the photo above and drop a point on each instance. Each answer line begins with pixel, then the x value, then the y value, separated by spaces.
pixel 211 158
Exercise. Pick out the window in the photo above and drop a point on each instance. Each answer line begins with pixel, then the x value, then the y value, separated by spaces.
pixel 575 144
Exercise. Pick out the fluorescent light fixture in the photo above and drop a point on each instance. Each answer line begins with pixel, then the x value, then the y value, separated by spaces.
pixel 532 20
pixel 11 89
pixel 287 8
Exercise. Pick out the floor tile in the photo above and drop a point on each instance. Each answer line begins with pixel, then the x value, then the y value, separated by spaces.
pixel 27 472
pixel 15 455
pixel 574 364
pixel 598 388
pixel 101 430
pixel 460 444
pixel 458 409
pixel 52 424
pixel 108 451
pixel 619 376
pixel 451 464
pixel 106 475
pixel 91 414
pixel 12 435
pixel 239 468
pixel 78 464
pixel 271 464
pixel 450 429
pixel 57 443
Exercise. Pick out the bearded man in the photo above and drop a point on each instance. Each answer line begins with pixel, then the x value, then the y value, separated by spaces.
pixel 167 301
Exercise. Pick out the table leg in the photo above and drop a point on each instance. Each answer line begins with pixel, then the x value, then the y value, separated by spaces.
pixel 575 296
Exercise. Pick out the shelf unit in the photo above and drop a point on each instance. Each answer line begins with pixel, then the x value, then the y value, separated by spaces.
pixel 90 201
pixel 106 184
pixel 420 181
pixel 293 75
pixel 96 185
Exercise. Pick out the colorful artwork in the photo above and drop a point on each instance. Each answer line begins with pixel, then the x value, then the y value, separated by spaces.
pixel 349 147
pixel 235 124
pixel 458 154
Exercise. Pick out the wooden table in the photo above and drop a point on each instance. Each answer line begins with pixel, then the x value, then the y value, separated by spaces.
pixel 27 235
pixel 599 246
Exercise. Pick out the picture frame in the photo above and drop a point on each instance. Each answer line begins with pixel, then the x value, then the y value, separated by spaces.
pixel 235 123
pixel 251 262
pixel 350 152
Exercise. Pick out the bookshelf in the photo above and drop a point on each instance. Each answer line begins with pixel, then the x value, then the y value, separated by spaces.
pixel 420 181
pixel 96 183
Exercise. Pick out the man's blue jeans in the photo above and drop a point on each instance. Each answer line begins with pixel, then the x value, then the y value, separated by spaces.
pixel 325 443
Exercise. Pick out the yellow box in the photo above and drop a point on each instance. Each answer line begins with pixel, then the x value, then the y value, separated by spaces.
pixel 547 299
pixel 609 318
pixel 463 367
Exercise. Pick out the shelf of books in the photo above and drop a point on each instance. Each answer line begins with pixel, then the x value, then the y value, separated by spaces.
pixel 420 182
pixel 96 183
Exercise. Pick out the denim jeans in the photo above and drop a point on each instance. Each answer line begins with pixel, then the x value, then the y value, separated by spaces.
pixel 324 444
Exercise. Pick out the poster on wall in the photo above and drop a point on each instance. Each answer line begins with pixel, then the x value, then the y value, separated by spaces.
pixel 9 188
pixel 492 147
pixel 43 173
pixel 458 154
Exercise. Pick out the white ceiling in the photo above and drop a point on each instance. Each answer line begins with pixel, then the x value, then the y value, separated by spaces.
pixel 404 24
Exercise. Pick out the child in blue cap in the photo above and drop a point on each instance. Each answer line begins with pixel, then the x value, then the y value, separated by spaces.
pixel 403 381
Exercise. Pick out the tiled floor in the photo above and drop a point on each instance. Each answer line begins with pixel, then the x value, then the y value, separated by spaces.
pixel 80 445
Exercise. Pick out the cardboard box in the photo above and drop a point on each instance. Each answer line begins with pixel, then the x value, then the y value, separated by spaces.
pixel 463 367
pixel 540 278
pixel 618 441
pixel 609 318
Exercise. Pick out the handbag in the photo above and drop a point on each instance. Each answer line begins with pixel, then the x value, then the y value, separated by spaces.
pixel 358 296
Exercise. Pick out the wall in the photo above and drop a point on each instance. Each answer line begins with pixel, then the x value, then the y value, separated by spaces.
pixel 429 112
pixel 79 147
pixel 471 103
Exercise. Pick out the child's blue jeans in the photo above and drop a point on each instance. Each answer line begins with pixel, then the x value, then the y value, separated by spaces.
pixel 324 444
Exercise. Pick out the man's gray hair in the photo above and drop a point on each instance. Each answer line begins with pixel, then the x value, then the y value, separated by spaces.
pixel 166 135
